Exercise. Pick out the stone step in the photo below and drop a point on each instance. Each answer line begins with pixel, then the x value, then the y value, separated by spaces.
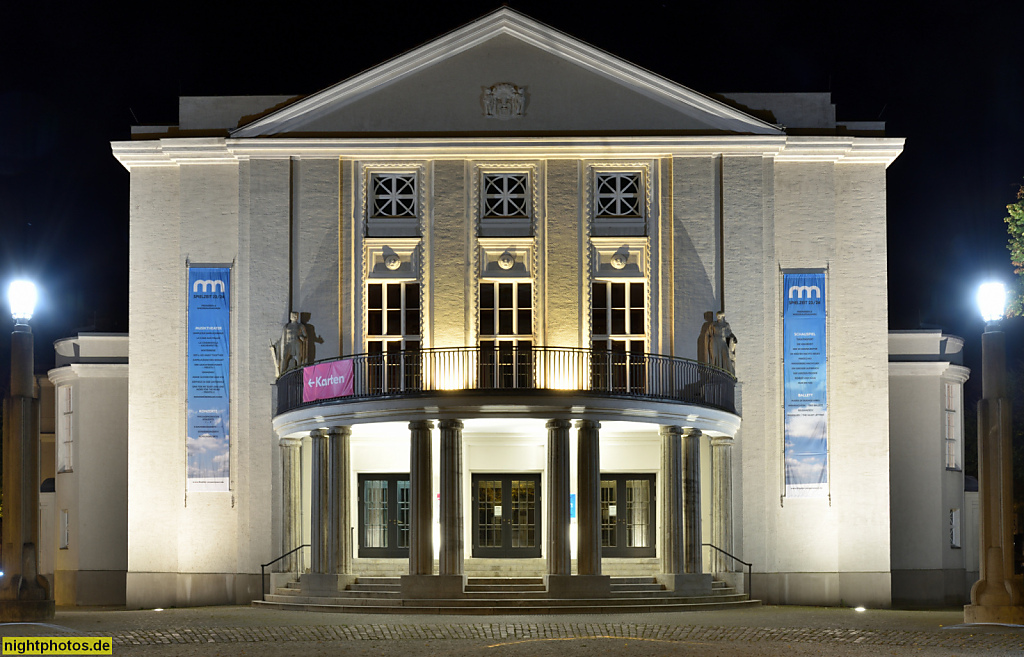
pixel 633 580
pixel 585 607
pixel 501 589
pixel 396 581
pixel 631 588
pixel 384 588
pixel 504 581
pixel 515 601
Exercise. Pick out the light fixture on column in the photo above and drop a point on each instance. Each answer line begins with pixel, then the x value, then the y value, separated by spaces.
pixel 24 593
pixel 22 296
pixel 997 595
pixel 992 301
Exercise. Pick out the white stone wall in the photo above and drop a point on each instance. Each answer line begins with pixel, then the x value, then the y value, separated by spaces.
pixel 292 227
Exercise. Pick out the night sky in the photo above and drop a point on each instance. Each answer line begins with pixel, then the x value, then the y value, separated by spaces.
pixel 949 77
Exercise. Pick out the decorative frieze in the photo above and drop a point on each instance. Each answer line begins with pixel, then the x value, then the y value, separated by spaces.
pixel 619 257
pixel 506 257
pixel 391 258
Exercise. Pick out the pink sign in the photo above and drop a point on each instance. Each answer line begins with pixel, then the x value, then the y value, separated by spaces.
pixel 327 380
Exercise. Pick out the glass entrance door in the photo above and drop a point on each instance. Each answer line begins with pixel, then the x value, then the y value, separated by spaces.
pixel 627 515
pixel 506 516
pixel 384 515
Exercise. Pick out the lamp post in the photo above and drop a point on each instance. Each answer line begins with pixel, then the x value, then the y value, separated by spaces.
pixel 996 596
pixel 24 593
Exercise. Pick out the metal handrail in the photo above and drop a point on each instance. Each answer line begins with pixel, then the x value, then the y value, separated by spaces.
pixel 263 567
pixel 527 368
pixel 735 558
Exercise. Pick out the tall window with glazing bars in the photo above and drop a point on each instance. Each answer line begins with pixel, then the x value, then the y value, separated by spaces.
pixel 506 334
pixel 393 336
pixel 618 336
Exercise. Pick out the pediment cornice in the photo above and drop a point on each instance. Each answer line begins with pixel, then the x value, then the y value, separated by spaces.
pixel 508 22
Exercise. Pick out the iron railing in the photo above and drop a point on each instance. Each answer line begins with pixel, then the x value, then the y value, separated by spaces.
pixel 517 368
pixel 263 568
pixel 749 566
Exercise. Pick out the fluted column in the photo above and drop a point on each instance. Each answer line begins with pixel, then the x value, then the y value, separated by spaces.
pixel 421 530
pixel 452 553
pixel 339 535
pixel 558 548
pixel 721 501
pixel 291 489
pixel 318 543
pixel 691 502
pixel 588 479
pixel 672 500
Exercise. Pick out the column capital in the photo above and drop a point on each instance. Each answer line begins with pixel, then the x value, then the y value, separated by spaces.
pixel 690 432
pixel 558 424
pixel 290 441
pixel 318 434
pixel 722 441
pixel 588 424
pixel 671 430
pixel 340 431
pixel 445 425
pixel 421 425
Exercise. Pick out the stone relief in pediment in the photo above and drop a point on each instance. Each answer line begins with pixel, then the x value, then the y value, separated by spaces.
pixel 504 101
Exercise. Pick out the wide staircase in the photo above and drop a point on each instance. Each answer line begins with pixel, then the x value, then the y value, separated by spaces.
pixel 504 595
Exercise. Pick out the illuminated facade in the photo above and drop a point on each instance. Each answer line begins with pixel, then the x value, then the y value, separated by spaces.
pixel 502 246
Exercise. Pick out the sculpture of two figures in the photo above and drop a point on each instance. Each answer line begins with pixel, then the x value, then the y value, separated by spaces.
pixel 716 344
pixel 296 346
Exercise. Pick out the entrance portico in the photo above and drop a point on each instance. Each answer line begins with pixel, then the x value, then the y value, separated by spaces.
pixel 498 496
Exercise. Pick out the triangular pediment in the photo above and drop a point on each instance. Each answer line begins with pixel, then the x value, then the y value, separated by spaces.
pixel 505 73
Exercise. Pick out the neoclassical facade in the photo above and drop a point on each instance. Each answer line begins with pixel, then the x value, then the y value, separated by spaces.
pixel 442 319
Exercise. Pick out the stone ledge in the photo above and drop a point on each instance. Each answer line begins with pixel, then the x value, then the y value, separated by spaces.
pixel 578 586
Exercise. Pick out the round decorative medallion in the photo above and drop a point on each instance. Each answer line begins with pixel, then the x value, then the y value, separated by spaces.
pixel 506 261
pixel 392 262
pixel 619 260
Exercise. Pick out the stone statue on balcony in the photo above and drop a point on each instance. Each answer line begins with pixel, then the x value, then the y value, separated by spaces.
pixel 291 350
pixel 716 344
pixel 724 344
pixel 705 340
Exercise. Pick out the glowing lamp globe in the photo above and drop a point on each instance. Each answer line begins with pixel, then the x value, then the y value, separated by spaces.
pixel 992 301
pixel 22 297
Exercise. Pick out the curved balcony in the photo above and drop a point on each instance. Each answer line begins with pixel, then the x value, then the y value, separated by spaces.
pixel 508 372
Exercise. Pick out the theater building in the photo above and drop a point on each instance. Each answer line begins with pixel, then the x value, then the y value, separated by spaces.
pixel 441 320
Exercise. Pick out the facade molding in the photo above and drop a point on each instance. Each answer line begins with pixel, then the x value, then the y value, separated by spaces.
pixel 220 150
pixel 473 406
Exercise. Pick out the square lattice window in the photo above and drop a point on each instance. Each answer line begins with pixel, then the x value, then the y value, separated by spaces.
pixel 505 195
pixel 393 195
pixel 619 194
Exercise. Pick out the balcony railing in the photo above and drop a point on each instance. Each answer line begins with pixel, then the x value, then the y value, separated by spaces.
pixel 511 369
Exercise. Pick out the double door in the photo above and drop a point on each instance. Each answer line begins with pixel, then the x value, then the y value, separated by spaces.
pixel 506 516
pixel 383 505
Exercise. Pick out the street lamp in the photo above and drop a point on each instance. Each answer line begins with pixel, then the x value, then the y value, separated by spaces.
pixel 996 596
pixel 22 296
pixel 24 593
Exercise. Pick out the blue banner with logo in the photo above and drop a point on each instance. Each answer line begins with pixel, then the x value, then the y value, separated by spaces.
pixel 209 367
pixel 805 371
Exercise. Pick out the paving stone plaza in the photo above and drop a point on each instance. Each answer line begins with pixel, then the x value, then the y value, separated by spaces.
pixel 764 631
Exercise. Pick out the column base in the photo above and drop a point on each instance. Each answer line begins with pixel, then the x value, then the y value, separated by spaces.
pixel 323 583
pixel 578 586
pixel 1009 614
pixel 686 584
pixel 433 587
pixel 25 611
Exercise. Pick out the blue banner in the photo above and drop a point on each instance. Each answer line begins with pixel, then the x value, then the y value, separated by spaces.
pixel 805 371
pixel 209 367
